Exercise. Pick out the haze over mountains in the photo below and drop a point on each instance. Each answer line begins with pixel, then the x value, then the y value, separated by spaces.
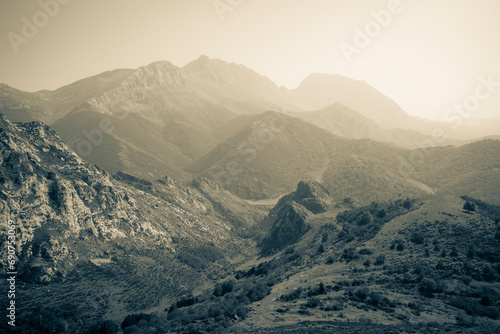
pixel 152 186
pixel 162 118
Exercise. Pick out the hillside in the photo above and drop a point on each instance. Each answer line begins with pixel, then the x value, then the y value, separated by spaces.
pixel 186 112
pixel 77 227
pixel 133 144
pixel 419 266
pixel 473 170
pixel 318 91
pixel 267 157
pixel 346 122
pixel 49 106
pixel 206 199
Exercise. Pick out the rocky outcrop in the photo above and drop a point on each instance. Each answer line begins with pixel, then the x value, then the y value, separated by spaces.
pixel 311 194
pixel 290 225
pixel 288 218
pixel 67 210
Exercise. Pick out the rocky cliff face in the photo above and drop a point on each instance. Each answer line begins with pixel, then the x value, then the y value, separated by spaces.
pixel 145 91
pixel 310 194
pixel 288 218
pixel 289 226
pixel 67 210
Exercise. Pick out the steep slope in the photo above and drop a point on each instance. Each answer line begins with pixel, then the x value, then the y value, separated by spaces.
pixel 290 225
pixel 268 156
pixel 345 122
pixel 238 86
pixel 286 221
pixel 56 198
pixel 157 119
pixel 272 152
pixel 20 106
pixel 48 106
pixel 472 170
pixel 122 142
pixel 92 238
pixel 318 91
pixel 421 266
pixel 367 171
pixel 390 270
pixel 179 109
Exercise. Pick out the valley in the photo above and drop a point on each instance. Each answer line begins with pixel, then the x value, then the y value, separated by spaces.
pixel 206 199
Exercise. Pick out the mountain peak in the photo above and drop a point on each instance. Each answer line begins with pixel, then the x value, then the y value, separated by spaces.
pixel 201 63
pixel 310 194
pixel 288 227
pixel 203 58
pixel 158 68
pixel 320 90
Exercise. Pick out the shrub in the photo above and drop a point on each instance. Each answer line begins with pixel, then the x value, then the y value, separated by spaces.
pixel 365 251
pixel 489 275
pixel 215 311
pixel 108 327
pixel 380 260
pixel 417 238
pixel 497 234
pixel 381 214
pixel 365 218
pixel 313 302
pixel 319 290
pixel 334 307
pixel 221 289
pixel 348 202
pixel 132 319
pixel 469 206
pixel 292 295
pixel 362 294
pixel 454 251
pixel 428 286
pixel 349 255
pixel 471 252
pixel 418 268
pixel 407 204
pixel 440 265
pixel 258 292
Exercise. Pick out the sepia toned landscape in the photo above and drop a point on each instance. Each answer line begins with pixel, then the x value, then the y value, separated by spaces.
pixel 200 195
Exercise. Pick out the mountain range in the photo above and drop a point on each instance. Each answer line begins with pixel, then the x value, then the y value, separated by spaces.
pixel 205 198
pixel 210 118
pixel 184 113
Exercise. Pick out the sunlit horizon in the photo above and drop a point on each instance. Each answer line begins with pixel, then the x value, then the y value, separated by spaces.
pixel 424 55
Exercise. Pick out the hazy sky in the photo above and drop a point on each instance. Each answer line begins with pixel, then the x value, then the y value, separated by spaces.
pixel 427 55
